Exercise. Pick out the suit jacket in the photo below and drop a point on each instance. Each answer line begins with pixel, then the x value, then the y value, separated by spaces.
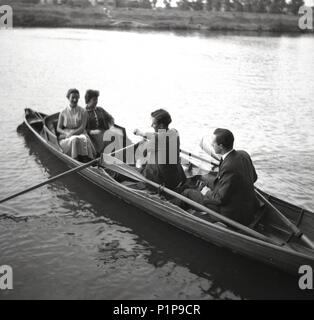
pixel 233 189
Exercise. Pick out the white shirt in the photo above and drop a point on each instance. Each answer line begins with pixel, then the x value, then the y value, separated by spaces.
pixel 223 157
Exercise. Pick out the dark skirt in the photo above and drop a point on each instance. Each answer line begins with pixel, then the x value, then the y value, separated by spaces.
pixel 169 175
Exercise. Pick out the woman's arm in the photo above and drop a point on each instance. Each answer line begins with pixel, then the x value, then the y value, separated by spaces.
pixel 147 135
pixel 148 143
pixel 63 134
pixel 82 127
pixel 108 118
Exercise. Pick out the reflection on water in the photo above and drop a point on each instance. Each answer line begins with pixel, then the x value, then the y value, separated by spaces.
pixel 70 239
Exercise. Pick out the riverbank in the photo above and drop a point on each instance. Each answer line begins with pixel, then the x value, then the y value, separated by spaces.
pixel 159 19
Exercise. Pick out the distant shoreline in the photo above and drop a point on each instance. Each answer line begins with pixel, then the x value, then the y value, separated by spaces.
pixel 147 19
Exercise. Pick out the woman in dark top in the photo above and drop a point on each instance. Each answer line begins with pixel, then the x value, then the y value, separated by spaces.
pixel 98 120
pixel 163 151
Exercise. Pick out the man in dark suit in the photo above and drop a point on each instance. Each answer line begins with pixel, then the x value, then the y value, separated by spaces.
pixel 232 192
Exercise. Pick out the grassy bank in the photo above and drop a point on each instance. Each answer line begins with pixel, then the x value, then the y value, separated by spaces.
pixel 173 19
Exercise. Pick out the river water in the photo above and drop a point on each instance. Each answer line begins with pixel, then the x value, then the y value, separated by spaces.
pixel 71 240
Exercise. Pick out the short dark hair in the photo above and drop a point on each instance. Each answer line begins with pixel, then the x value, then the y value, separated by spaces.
pixel 72 90
pixel 162 117
pixel 90 94
pixel 224 137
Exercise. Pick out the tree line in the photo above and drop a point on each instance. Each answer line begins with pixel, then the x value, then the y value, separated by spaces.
pixel 258 6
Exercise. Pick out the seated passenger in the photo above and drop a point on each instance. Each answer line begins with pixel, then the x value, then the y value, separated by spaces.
pixel 73 138
pixel 98 120
pixel 232 192
pixel 163 152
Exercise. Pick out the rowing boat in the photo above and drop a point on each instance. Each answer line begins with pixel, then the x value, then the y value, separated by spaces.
pixel 280 248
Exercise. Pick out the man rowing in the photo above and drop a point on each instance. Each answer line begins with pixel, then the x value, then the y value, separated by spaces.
pixel 163 147
pixel 232 192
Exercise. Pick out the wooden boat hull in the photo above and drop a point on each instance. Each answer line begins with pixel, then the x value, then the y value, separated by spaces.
pixel 283 257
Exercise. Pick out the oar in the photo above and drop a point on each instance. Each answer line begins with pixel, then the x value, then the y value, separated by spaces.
pixel 61 175
pixel 190 154
pixel 136 175
pixel 297 232
pixel 77 169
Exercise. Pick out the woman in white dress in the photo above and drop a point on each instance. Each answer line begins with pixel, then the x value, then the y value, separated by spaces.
pixel 73 138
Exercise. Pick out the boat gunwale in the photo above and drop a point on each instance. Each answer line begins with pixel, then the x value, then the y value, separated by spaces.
pixel 175 209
